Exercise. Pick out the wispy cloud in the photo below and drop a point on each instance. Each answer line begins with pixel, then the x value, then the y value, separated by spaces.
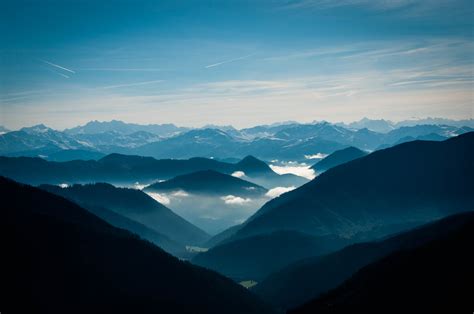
pixel 325 4
pixel 228 61
pixel 58 66
pixel 122 69
pixel 61 74
pixel 130 84
pixel 414 9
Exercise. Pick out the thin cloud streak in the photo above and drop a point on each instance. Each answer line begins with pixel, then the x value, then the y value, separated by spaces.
pixel 122 70
pixel 228 61
pixel 130 84
pixel 58 66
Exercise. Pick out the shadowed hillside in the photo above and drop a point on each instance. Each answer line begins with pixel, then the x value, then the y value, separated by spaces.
pixel 412 182
pixel 209 182
pixel 135 205
pixel 59 258
pixel 432 278
pixel 337 158
pixel 308 278
pixel 256 257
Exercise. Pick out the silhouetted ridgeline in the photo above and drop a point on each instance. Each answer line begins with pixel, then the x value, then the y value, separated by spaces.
pixel 125 169
pixel 412 182
pixel 135 205
pixel 254 258
pixel 433 278
pixel 123 222
pixel 338 158
pixel 209 182
pixel 308 278
pixel 59 258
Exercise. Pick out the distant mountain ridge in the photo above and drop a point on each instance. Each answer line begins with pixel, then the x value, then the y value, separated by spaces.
pixel 288 141
pixel 126 169
pixel 384 126
pixel 209 182
pixel 95 127
pixel 377 190
pixel 338 157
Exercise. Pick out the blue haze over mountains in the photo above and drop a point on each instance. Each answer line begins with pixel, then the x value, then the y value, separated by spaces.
pixel 382 202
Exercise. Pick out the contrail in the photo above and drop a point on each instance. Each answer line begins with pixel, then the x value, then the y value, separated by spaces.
pixel 58 73
pixel 227 61
pixel 58 66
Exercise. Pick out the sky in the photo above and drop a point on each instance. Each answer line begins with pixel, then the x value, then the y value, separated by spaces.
pixel 236 62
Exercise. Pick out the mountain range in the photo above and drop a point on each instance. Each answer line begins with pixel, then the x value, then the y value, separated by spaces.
pixel 411 182
pixel 97 127
pixel 127 170
pixel 384 126
pixel 397 212
pixel 287 141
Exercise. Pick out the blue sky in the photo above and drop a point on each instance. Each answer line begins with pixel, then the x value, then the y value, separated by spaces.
pixel 243 63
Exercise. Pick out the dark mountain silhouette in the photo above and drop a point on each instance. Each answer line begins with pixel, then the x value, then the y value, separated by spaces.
pixel 221 236
pixel 432 278
pixel 256 257
pixel 59 258
pixel 126 169
pixel 209 182
pixel 123 222
pixel 74 154
pixel 298 283
pixel 258 172
pixel 337 158
pixel 412 182
pixel 253 166
pixel 135 205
